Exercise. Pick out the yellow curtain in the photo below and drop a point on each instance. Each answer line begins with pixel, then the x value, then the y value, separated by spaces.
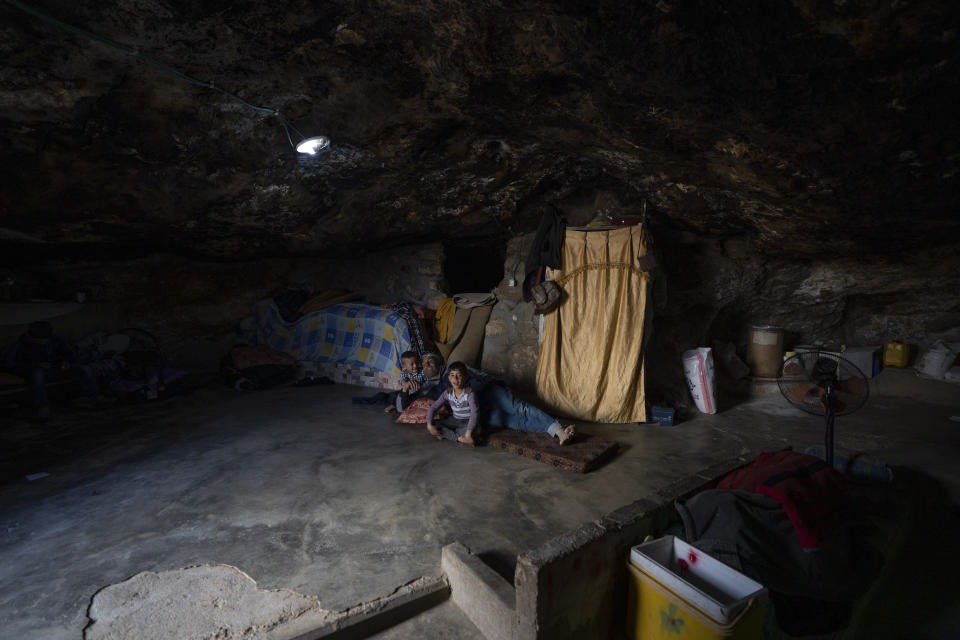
pixel 591 357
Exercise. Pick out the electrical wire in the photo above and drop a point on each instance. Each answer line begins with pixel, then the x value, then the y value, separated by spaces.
pixel 133 51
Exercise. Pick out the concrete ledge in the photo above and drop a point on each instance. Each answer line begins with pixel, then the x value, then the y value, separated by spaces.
pixel 480 592
pixel 207 601
pixel 575 585
pixel 906 383
pixel 368 618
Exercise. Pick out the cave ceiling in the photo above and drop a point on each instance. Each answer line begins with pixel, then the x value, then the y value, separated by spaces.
pixel 805 127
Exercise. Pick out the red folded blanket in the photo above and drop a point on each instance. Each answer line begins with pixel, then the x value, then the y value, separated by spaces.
pixel 813 494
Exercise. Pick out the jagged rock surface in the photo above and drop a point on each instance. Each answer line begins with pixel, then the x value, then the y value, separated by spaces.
pixel 805 127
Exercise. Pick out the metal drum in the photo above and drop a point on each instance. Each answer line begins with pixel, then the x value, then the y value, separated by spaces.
pixel 765 350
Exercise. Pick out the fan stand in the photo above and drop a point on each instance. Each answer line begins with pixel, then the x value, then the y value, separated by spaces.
pixel 826 385
pixel 829 400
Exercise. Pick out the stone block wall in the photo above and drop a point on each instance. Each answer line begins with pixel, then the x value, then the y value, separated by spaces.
pixel 412 273
pixel 511 347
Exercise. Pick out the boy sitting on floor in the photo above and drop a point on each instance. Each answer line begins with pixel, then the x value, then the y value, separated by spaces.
pixel 411 378
pixel 463 404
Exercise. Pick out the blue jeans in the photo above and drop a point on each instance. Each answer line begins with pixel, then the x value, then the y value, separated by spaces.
pixel 452 428
pixel 38 377
pixel 500 408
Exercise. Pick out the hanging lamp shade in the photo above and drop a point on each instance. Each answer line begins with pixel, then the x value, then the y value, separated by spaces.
pixel 313 145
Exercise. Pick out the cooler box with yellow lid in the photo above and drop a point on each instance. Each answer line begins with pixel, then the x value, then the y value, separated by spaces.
pixel 679 592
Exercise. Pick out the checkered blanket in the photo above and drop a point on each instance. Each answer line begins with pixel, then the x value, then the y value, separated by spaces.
pixel 350 333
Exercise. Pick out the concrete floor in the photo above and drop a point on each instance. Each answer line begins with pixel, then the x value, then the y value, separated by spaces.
pixel 302 490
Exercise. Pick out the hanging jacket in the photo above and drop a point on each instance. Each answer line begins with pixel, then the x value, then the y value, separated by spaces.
pixel 547 249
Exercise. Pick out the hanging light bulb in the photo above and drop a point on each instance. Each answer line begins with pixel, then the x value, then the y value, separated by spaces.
pixel 311 146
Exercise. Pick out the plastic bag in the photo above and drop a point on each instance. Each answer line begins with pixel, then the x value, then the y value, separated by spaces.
pixel 698 369
pixel 937 360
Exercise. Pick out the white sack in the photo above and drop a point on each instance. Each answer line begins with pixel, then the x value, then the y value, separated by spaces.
pixel 698 369
pixel 936 361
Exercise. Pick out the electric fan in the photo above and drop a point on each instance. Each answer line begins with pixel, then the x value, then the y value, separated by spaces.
pixel 823 384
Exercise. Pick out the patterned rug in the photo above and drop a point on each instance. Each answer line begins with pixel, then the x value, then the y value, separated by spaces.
pixel 585 454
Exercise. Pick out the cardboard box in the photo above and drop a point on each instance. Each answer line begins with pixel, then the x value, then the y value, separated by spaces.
pixel 867 359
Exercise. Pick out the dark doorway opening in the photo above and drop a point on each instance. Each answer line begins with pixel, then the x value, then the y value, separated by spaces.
pixel 474 266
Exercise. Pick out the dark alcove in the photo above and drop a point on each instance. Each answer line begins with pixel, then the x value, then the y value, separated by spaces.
pixel 475 266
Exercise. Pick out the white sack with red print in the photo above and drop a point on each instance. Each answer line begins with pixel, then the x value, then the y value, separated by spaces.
pixel 698 369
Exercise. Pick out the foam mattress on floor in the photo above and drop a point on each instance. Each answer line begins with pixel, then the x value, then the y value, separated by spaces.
pixel 585 454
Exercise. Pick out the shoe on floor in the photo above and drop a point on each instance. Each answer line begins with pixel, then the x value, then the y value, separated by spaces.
pixel 566 435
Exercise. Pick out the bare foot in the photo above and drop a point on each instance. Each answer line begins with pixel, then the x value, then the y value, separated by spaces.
pixel 434 432
pixel 467 438
pixel 566 435
pixel 390 409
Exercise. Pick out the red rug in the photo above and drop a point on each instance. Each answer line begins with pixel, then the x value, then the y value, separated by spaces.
pixel 585 454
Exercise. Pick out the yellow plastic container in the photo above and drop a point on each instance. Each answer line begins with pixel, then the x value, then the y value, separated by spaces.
pixel 895 354
pixel 677 591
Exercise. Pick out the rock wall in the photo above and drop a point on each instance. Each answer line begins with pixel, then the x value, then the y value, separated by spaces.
pixel 194 307
pixel 510 347
pixel 708 290
pixel 704 290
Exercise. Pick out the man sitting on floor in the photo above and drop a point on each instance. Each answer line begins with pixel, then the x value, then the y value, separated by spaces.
pixel 40 357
